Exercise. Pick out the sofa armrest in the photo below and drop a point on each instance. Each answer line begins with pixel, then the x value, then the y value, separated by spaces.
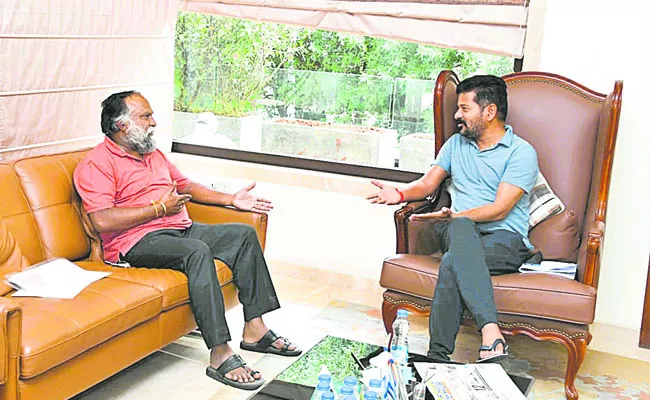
pixel 10 341
pixel 595 236
pixel 222 215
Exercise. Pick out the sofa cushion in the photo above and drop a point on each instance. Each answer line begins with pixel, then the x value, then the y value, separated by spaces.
pixel 11 258
pixel 171 284
pixel 46 182
pixel 557 237
pixel 17 215
pixel 535 295
pixel 56 330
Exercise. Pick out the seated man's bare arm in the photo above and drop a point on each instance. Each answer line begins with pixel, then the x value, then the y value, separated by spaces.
pixel 416 190
pixel 117 219
pixel 507 196
pixel 205 195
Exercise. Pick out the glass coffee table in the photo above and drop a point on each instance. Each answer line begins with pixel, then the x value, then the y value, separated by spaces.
pixel 298 380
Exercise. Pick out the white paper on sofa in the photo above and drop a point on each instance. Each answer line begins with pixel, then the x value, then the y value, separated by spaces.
pixel 57 278
pixel 566 270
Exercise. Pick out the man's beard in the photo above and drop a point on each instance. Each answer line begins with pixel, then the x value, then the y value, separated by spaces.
pixel 140 139
pixel 472 131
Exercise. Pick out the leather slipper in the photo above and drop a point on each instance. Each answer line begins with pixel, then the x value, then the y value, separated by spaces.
pixel 265 345
pixel 233 362
pixel 496 357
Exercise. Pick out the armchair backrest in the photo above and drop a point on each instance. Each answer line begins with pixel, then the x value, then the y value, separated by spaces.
pixel 572 128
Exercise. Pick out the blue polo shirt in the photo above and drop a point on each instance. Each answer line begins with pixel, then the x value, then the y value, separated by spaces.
pixel 476 175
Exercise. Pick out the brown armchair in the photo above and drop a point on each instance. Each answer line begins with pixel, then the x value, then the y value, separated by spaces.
pixel 573 130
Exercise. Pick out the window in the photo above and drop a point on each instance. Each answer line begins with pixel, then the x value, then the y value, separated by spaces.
pixel 307 98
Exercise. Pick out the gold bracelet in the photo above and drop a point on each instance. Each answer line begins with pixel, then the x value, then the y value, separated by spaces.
pixel 153 203
pixel 164 208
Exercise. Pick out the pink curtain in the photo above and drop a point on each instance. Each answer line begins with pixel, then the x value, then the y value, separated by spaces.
pixel 488 26
pixel 61 58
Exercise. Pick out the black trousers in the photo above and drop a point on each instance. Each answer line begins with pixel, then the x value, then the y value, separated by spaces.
pixel 471 255
pixel 192 251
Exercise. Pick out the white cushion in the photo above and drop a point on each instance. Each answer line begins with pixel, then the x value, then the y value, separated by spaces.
pixel 543 202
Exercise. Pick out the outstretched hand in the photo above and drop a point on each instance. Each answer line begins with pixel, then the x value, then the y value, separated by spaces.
pixel 441 215
pixel 385 195
pixel 245 201
pixel 173 201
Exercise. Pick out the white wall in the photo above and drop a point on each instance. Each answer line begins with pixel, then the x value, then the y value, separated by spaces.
pixel 320 221
pixel 596 43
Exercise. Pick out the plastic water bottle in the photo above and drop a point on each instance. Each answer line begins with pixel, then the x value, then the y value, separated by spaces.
pixel 322 388
pixel 325 375
pixel 347 390
pixel 327 396
pixel 352 382
pixel 419 391
pixel 327 379
pixel 399 344
pixel 374 385
pixel 370 395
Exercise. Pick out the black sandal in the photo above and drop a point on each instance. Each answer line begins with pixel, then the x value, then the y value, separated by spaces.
pixel 233 362
pixel 265 345
pixel 495 357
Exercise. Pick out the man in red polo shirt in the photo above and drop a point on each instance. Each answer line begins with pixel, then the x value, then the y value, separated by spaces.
pixel 136 200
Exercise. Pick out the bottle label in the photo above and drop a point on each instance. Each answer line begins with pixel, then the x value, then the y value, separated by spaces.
pixel 399 353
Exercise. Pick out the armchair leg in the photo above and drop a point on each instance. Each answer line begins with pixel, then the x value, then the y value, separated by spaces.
pixel 576 351
pixel 388 314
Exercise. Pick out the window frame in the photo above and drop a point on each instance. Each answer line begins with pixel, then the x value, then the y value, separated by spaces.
pixel 309 164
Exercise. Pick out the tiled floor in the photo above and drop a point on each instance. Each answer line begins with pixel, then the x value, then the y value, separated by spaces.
pixel 178 371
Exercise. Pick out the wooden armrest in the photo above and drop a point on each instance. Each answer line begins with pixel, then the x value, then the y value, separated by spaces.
pixel 223 215
pixel 10 338
pixel 595 234
pixel 439 199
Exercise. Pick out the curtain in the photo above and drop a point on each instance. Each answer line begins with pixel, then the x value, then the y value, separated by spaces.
pixel 60 58
pixel 488 26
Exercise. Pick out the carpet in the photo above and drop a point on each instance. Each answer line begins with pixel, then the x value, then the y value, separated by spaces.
pixel 602 375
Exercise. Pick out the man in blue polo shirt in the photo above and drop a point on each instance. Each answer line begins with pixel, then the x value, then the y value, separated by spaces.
pixel 485 232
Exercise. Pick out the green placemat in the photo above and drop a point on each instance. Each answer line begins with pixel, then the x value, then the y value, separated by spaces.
pixel 333 352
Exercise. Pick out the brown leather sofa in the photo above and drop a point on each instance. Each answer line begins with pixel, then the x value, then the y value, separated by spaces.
pixel 54 348
pixel 573 130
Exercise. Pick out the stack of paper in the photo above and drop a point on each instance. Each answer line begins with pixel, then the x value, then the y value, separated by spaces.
pixel 468 381
pixel 56 278
pixel 567 270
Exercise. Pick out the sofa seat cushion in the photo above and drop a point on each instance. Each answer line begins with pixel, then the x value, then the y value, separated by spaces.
pixel 56 330
pixel 171 284
pixel 534 295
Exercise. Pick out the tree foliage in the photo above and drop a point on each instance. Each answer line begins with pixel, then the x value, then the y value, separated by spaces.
pixel 225 65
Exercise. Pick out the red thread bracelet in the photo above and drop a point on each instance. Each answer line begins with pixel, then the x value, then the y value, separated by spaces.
pixel 401 195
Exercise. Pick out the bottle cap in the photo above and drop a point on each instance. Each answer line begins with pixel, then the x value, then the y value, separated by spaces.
pixel 325 377
pixel 402 313
pixel 347 389
pixel 323 385
pixel 350 380
pixel 375 383
pixel 327 396
pixel 370 395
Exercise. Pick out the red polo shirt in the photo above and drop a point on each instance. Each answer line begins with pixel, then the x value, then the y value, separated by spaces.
pixel 110 177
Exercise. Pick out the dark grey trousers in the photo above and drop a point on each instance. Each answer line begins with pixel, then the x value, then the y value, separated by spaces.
pixel 471 255
pixel 192 251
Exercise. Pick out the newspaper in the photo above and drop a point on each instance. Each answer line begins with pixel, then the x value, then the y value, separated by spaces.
pixel 567 270
pixel 468 382
pixel 56 278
